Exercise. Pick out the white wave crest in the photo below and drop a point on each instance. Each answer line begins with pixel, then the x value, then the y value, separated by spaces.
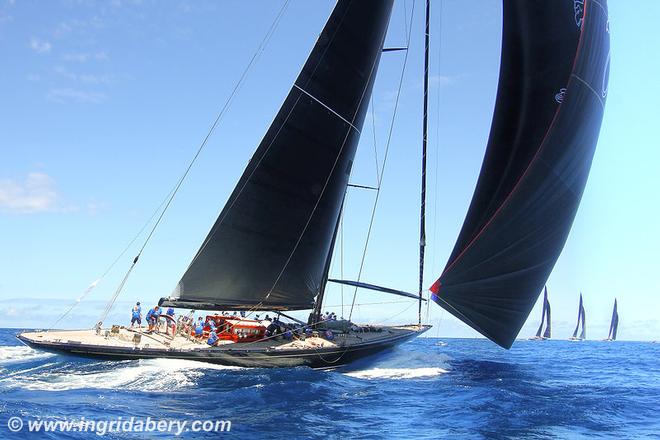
pixel 145 375
pixel 397 373
pixel 12 354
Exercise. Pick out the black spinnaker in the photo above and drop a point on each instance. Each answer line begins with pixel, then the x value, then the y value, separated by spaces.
pixel 270 244
pixel 548 112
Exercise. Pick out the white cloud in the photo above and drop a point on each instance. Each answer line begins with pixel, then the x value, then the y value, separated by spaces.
pixel 84 77
pixel 36 194
pixel 443 80
pixel 95 79
pixel 94 207
pixel 80 26
pixel 40 46
pixel 76 57
pixel 64 96
pixel 84 57
pixel 120 3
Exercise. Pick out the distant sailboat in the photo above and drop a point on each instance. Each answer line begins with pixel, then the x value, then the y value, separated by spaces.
pixel 545 317
pixel 614 324
pixel 580 322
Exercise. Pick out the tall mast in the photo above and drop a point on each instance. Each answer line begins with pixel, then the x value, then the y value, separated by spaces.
pixel 422 225
pixel 315 316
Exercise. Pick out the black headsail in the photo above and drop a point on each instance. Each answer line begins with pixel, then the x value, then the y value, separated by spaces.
pixel 549 108
pixel 269 246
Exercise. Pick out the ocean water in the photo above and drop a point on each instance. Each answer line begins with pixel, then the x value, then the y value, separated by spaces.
pixel 425 389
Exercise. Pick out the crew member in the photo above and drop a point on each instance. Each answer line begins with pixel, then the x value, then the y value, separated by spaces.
pixel 213 338
pixel 171 322
pixel 199 328
pixel 152 318
pixel 136 315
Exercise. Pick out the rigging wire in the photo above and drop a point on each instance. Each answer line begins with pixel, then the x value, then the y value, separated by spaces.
pixel 387 148
pixel 341 259
pixel 372 303
pixel 373 129
pixel 217 120
pixel 112 265
pixel 437 143
pixel 398 313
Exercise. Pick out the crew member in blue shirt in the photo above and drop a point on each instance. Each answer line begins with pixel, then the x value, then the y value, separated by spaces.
pixel 199 328
pixel 213 338
pixel 136 315
pixel 170 322
pixel 152 318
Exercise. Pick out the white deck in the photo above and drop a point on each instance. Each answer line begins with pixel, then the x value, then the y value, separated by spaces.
pixel 124 339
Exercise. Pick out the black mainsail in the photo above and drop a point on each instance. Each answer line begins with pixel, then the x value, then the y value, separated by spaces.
pixel 614 324
pixel 580 321
pixel 271 243
pixel 545 318
pixel 548 112
pixel 548 321
pixel 583 333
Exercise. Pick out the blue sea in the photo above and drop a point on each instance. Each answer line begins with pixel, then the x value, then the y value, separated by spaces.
pixel 425 389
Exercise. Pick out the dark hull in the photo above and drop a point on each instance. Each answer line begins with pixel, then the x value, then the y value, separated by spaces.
pixel 237 356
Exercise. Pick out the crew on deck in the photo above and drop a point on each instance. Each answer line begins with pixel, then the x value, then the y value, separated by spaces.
pixel 199 328
pixel 152 319
pixel 136 315
pixel 213 338
pixel 170 322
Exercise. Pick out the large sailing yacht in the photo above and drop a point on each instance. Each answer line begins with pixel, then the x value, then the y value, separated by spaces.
pixel 271 246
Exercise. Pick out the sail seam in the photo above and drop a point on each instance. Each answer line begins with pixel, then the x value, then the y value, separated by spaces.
pixel 590 88
pixel 326 106
pixel 601 6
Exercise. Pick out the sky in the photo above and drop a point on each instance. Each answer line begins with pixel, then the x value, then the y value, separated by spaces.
pixel 103 104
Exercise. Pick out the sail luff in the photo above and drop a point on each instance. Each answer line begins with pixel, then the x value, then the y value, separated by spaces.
pixel 269 246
